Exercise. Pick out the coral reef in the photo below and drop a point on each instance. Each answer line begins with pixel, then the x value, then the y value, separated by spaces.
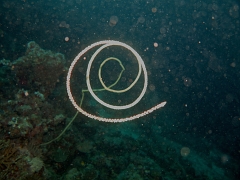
pixel 38 70
pixel 26 113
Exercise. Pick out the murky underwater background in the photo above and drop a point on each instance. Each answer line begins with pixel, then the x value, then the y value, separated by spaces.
pixel 191 51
